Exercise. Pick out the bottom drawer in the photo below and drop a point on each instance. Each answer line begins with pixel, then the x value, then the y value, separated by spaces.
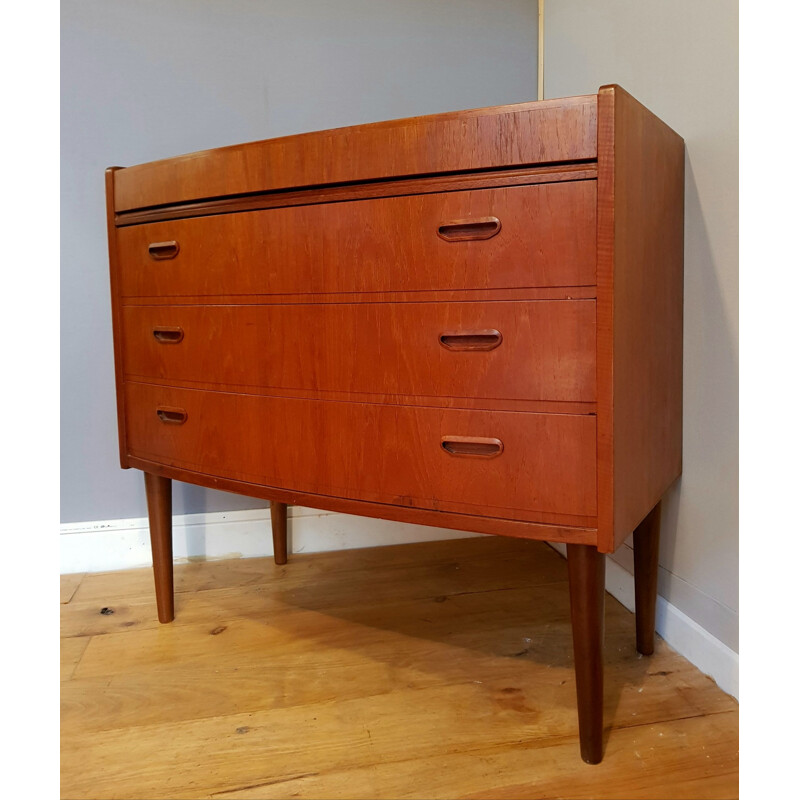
pixel 535 466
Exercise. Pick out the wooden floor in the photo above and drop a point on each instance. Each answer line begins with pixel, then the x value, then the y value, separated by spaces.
pixel 434 670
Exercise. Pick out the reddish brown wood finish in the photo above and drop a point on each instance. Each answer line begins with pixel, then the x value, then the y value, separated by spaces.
pixel 277 515
pixel 542 350
pixel 639 312
pixel 363 191
pixel 116 321
pixel 159 508
pixel 645 563
pixel 466 403
pixel 470 320
pixel 417 516
pixel 587 608
pixel 388 244
pixel 466 230
pixel 379 453
pixel 431 296
pixel 486 138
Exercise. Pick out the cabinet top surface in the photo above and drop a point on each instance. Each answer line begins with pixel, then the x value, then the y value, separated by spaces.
pixel 441 118
pixel 497 137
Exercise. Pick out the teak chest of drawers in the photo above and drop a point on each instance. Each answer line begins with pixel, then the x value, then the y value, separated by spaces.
pixel 470 320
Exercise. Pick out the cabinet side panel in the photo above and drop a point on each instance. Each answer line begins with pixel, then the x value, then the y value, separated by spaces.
pixel 642 310
pixel 605 318
pixel 116 319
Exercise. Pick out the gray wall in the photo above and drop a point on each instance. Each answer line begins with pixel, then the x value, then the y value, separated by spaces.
pixel 143 80
pixel 680 59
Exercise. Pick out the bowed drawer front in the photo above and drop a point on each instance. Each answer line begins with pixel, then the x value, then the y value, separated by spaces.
pixel 522 465
pixel 535 350
pixel 519 236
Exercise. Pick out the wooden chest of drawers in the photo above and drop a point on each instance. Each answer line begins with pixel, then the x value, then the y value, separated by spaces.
pixel 470 320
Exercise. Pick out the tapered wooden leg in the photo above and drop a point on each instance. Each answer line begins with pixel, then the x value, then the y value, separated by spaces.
pixel 277 512
pixel 645 574
pixel 587 604
pixel 159 509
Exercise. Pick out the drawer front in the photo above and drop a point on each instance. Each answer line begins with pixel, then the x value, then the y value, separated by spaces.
pixel 446 459
pixel 528 350
pixel 550 132
pixel 512 237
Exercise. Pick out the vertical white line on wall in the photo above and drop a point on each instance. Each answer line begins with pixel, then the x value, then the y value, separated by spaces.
pixel 541 51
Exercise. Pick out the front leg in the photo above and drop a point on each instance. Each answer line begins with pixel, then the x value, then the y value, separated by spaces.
pixel 159 508
pixel 586 569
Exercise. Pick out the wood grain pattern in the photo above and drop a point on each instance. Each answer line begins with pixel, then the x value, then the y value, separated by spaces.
pixel 429 401
pixel 377 453
pixel 645 571
pixel 587 573
pixel 70 654
pixel 233 583
pixel 159 510
pixel 561 528
pixel 69 585
pixel 363 191
pixel 470 320
pixel 387 244
pixel 431 296
pixel 277 516
pixel 639 312
pixel 547 350
pixel 461 685
pixel 116 322
pixel 487 138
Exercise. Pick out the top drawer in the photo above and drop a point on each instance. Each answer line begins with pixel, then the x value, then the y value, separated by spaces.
pixel 543 132
pixel 513 237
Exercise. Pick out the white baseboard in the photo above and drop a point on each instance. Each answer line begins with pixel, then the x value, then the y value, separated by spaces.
pixel 110 545
pixel 125 543
pixel 680 632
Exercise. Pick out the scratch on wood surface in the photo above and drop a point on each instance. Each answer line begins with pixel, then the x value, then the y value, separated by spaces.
pixel 285 779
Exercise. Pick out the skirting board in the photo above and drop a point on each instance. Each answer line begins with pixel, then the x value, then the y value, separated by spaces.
pixel 680 632
pixel 125 544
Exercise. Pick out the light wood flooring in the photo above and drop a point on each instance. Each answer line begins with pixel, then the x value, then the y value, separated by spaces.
pixel 433 670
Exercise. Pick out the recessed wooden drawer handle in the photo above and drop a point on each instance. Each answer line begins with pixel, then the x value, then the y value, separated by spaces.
pixel 464 230
pixel 472 446
pixel 172 416
pixel 161 251
pixel 168 334
pixel 475 340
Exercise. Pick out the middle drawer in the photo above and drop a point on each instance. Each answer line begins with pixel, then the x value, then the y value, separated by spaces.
pixel 504 350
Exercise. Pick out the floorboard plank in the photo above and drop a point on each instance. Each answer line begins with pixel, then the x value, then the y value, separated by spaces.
pixel 524 773
pixel 69 585
pixel 71 652
pixel 376 675
pixel 303 568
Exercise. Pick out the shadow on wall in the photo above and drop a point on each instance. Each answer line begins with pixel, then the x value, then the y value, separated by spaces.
pixel 709 389
pixel 190 496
